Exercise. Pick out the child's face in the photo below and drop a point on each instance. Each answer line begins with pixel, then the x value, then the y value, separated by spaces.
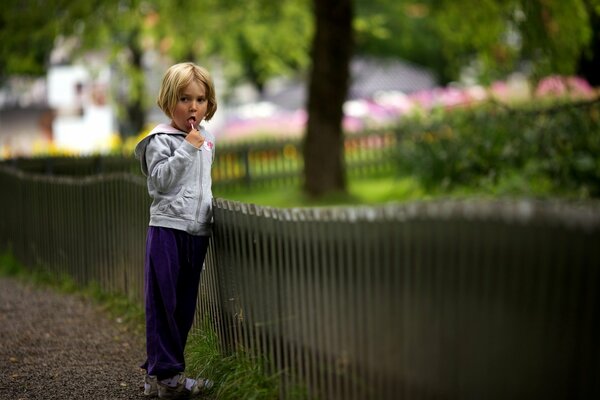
pixel 191 107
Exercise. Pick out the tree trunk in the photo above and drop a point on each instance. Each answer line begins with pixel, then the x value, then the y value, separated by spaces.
pixel 331 55
pixel 135 111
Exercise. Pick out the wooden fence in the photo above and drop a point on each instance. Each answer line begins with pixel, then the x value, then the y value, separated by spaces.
pixel 433 300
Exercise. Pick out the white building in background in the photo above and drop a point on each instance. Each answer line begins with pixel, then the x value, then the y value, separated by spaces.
pixel 84 121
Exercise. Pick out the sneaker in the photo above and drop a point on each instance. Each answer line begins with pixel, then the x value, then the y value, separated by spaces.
pixel 150 386
pixel 181 390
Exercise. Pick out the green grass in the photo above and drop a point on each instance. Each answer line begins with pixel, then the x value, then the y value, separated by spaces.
pixel 400 189
pixel 10 267
pixel 118 306
pixel 363 191
pixel 237 376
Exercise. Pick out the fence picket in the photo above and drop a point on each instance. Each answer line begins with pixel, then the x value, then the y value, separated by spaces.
pixel 448 299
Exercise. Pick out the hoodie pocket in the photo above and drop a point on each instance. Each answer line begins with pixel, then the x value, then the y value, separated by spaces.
pixel 206 213
pixel 182 206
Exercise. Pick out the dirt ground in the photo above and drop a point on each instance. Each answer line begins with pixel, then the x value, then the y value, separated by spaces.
pixel 58 346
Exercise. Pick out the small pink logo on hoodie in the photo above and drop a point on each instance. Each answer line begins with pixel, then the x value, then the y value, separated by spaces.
pixel 209 145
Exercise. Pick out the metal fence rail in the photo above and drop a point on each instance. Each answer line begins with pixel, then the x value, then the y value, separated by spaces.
pixel 436 300
pixel 91 229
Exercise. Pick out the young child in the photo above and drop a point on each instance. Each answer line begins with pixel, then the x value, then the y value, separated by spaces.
pixel 177 159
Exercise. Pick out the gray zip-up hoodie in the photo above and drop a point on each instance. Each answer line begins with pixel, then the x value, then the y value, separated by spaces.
pixel 179 179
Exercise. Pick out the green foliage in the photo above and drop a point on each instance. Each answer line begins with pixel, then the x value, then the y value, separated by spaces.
pixel 9 266
pixel 361 191
pixel 265 40
pixel 253 42
pixel 499 35
pixel 492 144
pixel 119 307
pixel 400 29
pixel 236 376
pixel 475 34
pixel 493 38
pixel 554 34
pixel 28 29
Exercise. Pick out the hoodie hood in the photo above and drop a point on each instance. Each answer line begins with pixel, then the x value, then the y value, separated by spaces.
pixel 165 129
pixel 140 148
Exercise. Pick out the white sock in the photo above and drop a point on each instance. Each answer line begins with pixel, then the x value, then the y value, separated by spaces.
pixel 172 381
pixel 148 386
pixel 189 383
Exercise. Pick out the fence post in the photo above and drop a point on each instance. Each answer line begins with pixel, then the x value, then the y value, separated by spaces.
pixel 398 151
pixel 246 160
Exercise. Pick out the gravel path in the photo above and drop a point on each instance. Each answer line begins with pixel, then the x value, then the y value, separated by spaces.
pixel 57 346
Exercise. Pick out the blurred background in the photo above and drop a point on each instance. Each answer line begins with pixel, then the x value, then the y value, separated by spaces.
pixel 83 78
pixel 445 99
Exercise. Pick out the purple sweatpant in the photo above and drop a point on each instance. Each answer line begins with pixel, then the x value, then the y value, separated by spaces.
pixel 173 264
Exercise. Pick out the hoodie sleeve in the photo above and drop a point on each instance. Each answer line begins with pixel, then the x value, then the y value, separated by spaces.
pixel 165 168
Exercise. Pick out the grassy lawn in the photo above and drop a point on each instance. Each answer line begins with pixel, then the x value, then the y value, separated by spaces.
pixel 364 191
pixel 237 375
pixel 400 189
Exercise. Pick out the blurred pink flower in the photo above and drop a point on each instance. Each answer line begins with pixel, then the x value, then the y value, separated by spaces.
pixel 452 97
pixel 579 86
pixel 500 90
pixel 387 107
pixel 423 98
pixel 557 85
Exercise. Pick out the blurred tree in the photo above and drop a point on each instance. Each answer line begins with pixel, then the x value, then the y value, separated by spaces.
pixel 261 39
pixel 28 29
pixel 544 37
pixel 589 61
pixel 265 39
pixel 332 48
pixel 401 29
pixel 493 38
pixel 254 42
pixel 119 37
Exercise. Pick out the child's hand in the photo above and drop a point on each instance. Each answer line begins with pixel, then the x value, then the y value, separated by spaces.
pixel 194 137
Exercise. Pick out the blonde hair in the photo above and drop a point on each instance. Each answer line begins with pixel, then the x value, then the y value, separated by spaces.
pixel 176 78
